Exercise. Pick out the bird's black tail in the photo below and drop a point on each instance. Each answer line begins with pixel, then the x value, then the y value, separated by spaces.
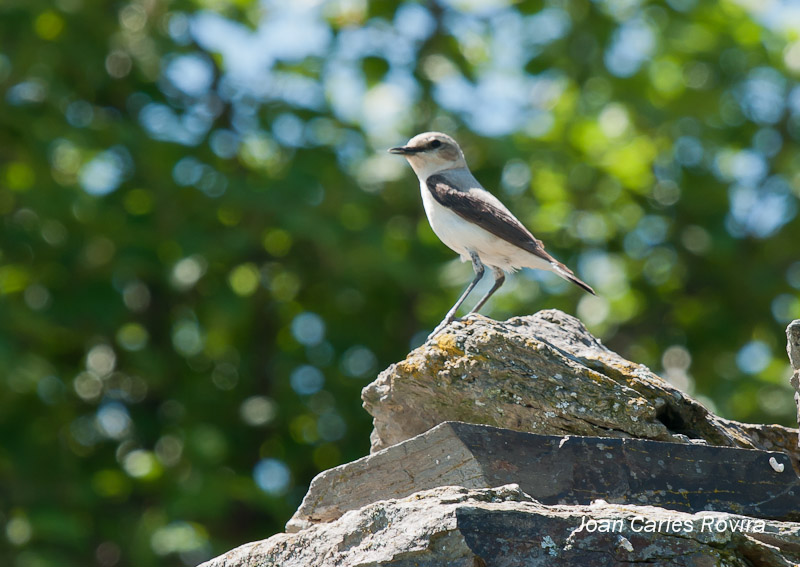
pixel 567 274
pixel 581 284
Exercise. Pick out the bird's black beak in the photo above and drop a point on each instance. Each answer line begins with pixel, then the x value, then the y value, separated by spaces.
pixel 403 150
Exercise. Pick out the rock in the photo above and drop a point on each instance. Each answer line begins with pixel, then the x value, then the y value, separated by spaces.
pixel 544 374
pixel 561 470
pixel 521 488
pixel 793 350
pixel 503 526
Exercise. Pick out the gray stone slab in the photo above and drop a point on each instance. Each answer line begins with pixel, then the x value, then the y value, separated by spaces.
pixel 569 470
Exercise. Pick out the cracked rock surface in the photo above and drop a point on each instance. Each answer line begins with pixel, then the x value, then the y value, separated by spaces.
pixel 546 374
pixel 503 526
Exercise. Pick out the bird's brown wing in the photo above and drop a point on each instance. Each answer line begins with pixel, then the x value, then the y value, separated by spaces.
pixel 497 221
pixel 486 215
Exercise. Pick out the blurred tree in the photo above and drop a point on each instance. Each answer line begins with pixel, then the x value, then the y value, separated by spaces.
pixel 205 252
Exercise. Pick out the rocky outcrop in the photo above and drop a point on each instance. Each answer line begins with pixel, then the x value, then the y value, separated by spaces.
pixel 528 442
pixel 544 374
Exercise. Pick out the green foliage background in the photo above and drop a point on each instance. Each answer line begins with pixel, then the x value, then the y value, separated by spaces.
pixel 199 274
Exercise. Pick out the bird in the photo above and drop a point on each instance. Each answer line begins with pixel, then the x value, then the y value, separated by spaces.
pixel 471 221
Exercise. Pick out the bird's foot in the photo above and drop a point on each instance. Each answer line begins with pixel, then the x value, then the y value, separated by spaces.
pixel 446 322
pixel 439 328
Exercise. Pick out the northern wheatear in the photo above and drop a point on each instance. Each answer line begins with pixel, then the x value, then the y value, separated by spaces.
pixel 470 220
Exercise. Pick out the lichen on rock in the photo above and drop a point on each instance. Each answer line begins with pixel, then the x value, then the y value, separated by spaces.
pixel 543 373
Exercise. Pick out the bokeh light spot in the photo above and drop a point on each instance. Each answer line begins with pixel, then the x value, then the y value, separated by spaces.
pixel 101 360
pixel 306 379
pixel 308 328
pixel 188 271
pixel 257 411
pixel 187 337
pixel 272 476
pixel 244 279
pixel 179 537
pixel 49 25
pixel 142 465
pixel 277 242
pixel 113 420
pixel 359 361
pixel 132 336
pixel 18 530
pixel 753 357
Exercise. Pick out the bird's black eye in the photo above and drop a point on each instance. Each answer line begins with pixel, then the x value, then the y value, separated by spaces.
pixel 435 144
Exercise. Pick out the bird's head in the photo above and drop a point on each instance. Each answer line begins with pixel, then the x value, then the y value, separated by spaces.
pixel 430 153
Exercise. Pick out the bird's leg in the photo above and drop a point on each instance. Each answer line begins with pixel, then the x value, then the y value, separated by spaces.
pixel 499 278
pixel 479 270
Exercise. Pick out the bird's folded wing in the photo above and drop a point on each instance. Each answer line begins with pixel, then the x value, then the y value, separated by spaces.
pixel 488 216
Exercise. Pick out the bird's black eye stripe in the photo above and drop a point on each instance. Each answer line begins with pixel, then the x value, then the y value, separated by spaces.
pixel 435 144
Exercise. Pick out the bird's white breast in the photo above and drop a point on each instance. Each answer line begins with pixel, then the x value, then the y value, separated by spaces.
pixel 451 229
